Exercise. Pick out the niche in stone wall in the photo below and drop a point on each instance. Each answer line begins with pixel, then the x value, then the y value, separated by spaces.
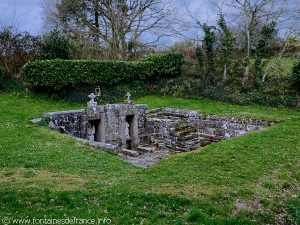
pixel 129 131
pixel 94 130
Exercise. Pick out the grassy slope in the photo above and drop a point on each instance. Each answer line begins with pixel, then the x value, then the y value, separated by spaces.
pixel 280 67
pixel 45 173
pixel 284 66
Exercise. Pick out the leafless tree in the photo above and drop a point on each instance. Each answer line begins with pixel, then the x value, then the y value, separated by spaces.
pixel 119 25
pixel 255 13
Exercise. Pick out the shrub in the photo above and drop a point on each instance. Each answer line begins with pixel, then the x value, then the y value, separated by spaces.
pixel 296 75
pixel 165 64
pixel 16 49
pixel 55 45
pixel 9 83
pixel 2 71
pixel 57 74
pixel 197 88
pixel 110 94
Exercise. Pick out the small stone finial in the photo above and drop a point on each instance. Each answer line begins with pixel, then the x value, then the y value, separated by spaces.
pixel 128 98
pixel 92 103
pixel 92 97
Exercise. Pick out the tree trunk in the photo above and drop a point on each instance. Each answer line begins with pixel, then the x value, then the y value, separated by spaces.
pixel 247 47
pixel 97 25
pixel 7 67
pixel 225 73
pixel 114 44
pixel 246 77
pixel 264 78
pixel 247 62
pixel 124 47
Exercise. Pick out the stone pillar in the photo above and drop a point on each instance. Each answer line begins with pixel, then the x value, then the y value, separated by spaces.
pixel 84 127
pixel 123 131
pixel 102 128
pixel 135 131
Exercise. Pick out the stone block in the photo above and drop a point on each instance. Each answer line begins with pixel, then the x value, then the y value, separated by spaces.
pixel 128 152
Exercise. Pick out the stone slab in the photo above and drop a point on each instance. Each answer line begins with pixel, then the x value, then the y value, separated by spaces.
pixel 106 146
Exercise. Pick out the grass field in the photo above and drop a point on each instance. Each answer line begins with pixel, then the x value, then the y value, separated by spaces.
pixel 278 67
pixel 281 67
pixel 253 179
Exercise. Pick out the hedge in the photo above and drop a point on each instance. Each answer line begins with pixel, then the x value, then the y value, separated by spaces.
pixel 165 64
pixel 58 73
pixel 112 94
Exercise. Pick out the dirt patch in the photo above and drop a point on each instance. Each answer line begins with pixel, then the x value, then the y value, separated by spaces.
pixel 240 206
pixel 147 159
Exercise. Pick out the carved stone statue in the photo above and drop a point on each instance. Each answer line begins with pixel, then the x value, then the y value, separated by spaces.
pixel 91 132
pixel 127 131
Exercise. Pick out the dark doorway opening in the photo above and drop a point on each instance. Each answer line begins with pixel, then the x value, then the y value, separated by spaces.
pixel 96 124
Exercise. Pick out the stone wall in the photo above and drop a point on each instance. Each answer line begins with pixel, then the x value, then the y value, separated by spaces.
pixel 227 126
pixel 130 126
pixel 106 124
pixel 186 130
pixel 72 122
pixel 116 119
pixel 173 129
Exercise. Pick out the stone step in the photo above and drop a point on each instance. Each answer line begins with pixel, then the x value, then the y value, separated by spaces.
pixel 131 153
pixel 161 144
pixel 185 132
pixel 145 149
pixel 189 137
pixel 196 146
pixel 157 140
pixel 152 116
pixel 207 142
pixel 180 149
pixel 175 115
pixel 154 111
pixel 173 118
pixel 209 137
pixel 182 126
pixel 169 147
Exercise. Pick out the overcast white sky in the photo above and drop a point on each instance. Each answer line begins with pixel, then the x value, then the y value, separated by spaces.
pixel 27 15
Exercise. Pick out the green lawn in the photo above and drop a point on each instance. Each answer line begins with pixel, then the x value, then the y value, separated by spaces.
pixel 253 179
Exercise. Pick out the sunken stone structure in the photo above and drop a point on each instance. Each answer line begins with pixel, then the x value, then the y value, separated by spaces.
pixel 144 136
pixel 120 125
